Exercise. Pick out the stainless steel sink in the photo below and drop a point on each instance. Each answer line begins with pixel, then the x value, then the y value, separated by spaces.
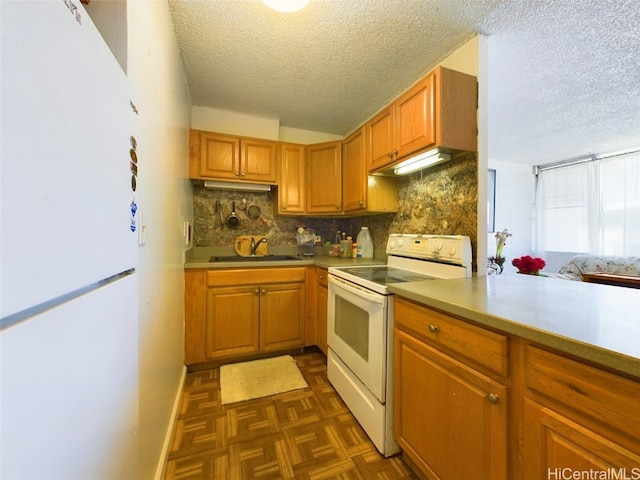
pixel 257 258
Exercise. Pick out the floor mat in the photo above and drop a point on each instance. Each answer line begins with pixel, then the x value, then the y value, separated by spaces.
pixel 259 378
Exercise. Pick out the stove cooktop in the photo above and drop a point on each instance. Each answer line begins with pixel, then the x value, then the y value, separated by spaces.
pixel 384 275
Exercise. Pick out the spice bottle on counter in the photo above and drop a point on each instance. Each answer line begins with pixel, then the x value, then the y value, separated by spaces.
pixel 345 247
pixel 354 250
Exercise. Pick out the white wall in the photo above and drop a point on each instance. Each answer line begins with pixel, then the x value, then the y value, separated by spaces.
pixel 465 58
pixel 161 95
pixel 515 190
pixel 235 123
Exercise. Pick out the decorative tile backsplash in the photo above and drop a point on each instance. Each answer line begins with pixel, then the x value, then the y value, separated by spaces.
pixel 440 200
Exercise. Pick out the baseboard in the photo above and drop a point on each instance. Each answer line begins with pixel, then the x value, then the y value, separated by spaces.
pixel 174 414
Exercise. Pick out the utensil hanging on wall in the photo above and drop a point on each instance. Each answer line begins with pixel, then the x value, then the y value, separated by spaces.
pixel 219 212
pixel 253 212
pixel 233 220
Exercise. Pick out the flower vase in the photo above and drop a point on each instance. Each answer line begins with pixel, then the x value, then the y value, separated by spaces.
pixel 495 265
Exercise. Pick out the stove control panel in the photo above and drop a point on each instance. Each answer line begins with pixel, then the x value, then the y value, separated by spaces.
pixel 454 249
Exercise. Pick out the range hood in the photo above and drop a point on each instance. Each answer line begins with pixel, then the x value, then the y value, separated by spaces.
pixel 422 160
pixel 237 186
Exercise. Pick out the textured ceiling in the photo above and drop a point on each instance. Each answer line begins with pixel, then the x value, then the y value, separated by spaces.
pixel 563 75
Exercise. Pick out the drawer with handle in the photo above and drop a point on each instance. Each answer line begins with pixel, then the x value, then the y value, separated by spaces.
pixel 485 350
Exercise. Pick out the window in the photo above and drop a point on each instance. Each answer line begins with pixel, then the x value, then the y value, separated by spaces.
pixel 590 206
pixel 491 201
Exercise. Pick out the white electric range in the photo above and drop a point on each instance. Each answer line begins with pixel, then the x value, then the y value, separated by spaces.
pixel 360 323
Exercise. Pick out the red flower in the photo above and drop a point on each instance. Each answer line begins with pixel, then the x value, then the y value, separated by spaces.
pixel 528 264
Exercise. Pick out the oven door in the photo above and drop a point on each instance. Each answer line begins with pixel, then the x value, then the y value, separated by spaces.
pixel 357 332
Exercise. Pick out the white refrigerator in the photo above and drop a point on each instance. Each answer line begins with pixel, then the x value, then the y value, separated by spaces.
pixel 68 249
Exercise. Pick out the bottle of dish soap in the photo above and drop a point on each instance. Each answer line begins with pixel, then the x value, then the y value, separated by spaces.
pixel 365 244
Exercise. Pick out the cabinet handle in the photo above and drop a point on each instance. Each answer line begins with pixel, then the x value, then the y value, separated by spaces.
pixel 390 154
pixel 321 277
pixel 361 202
pixel 284 207
pixel 257 291
pixel 493 398
pixel 237 174
pixel 264 291
pixel 433 328
pixel 242 174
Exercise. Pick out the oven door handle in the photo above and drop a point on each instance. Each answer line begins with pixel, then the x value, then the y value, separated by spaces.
pixel 357 290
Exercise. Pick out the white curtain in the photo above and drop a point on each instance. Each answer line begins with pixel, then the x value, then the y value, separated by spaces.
pixel 592 206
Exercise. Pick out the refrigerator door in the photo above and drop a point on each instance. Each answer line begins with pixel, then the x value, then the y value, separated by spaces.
pixel 69 389
pixel 65 192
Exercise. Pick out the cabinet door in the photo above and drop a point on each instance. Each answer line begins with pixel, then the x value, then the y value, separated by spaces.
pixel 219 156
pixel 323 299
pixel 555 447
pixel 415 118
pixel 355 175
pixel 232 321
pixel 449 419
pixel 258 161
pixel 291 187
pixel 282 316
pixel 324 178
pixel 195 312
pixel 381 139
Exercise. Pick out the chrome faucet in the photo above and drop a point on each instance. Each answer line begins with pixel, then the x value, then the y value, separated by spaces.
pixel 254 244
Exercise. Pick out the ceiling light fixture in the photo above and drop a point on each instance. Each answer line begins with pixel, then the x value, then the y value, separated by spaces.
pixel 426 159
pixel 286 6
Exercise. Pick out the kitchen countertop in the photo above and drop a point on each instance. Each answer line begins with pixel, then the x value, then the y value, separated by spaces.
pixel 199 258
pixel 599 323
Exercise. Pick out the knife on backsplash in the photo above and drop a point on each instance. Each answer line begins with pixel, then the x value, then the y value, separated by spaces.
pixel 219 211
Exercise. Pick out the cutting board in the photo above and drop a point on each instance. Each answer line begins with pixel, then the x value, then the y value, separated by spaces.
pixel 242 246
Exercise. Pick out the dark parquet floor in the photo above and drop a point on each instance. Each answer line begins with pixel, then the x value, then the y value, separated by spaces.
pixel 303 434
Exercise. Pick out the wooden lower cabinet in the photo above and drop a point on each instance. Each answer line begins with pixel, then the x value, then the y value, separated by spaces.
pixel 317 307
pixel 244 311
pixel 321 309
pixel 471 402
pixel 282 316
pixel 450 420
pixel 578 418
pixel 556 446
pixel 232 321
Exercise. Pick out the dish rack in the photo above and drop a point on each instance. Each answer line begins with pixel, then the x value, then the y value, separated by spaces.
pixel 306 241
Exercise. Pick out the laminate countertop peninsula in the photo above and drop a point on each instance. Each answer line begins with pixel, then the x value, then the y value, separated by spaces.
pixel 598 323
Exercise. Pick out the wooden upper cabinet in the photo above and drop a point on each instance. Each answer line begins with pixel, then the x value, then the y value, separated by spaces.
pixel 225 157
pixel 438 111
pixel 213 155
pixel 414 116
pixel 381 138
pixel 324 178
pixel 258 160
pixel 363 193
pixel 291 184
pixel 354 172
pixel 456 110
